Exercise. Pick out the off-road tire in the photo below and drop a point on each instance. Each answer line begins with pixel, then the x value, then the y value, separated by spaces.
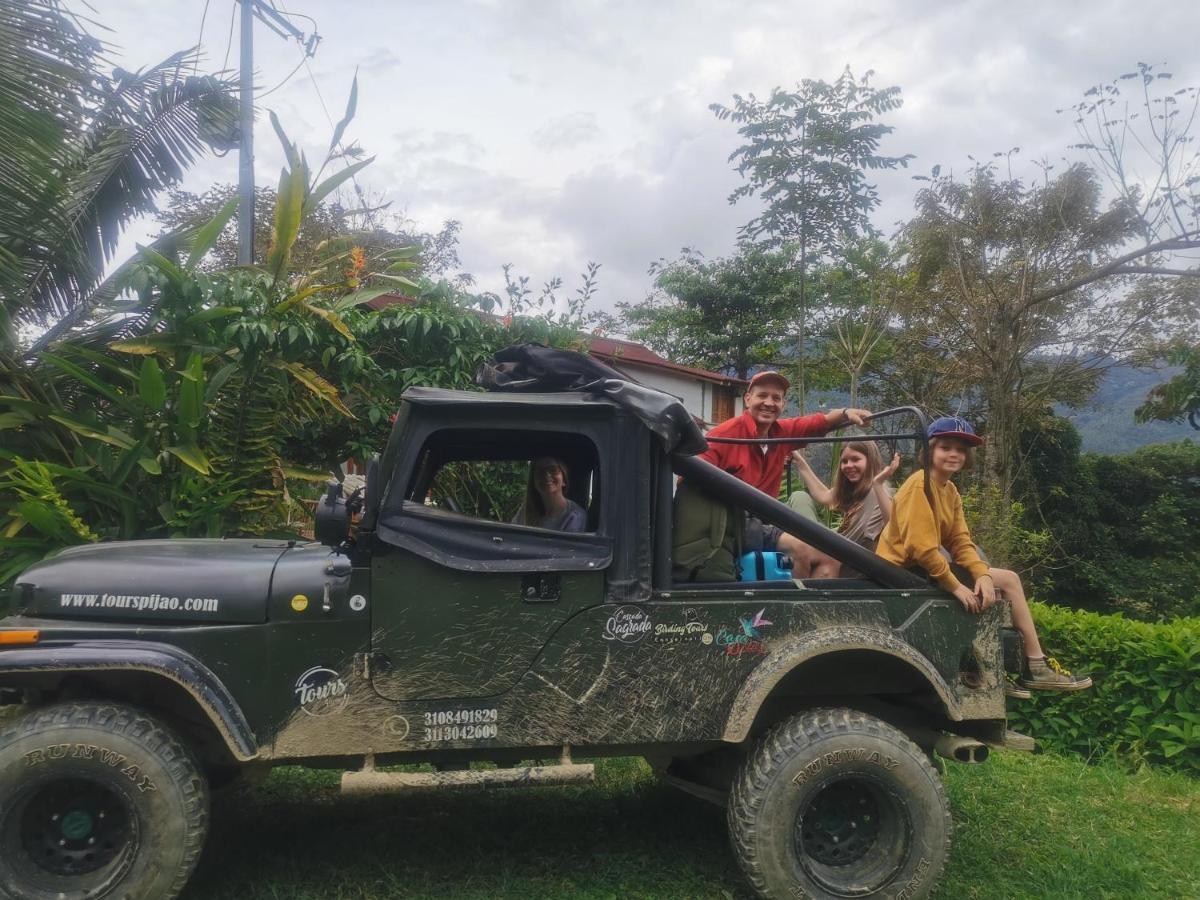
pixel 836 803
pixel 97 800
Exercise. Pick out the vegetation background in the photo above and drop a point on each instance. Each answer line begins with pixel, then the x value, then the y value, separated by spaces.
pixel 177 394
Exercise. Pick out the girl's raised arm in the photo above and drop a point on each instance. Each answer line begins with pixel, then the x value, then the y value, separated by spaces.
pixel 816 487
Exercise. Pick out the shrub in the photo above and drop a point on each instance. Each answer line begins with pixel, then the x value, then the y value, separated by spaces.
pixel 1145 704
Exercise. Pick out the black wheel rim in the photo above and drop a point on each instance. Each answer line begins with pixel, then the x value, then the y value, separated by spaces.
pixel 853 835
pixel 75 826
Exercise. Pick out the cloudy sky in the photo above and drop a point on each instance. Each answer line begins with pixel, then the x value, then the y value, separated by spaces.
pixel 566 131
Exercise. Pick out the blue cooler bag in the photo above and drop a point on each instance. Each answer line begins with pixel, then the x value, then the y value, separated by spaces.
pixel 765 565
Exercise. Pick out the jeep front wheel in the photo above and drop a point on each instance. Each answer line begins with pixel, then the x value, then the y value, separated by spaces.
pixel 836 803
pixel 97 800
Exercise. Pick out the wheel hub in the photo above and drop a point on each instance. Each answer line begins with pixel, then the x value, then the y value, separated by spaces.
pixel 840 826
pixel 74 826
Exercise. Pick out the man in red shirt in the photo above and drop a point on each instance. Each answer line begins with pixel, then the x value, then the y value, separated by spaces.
pixel 761 465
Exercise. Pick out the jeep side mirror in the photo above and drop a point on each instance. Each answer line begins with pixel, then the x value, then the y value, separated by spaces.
pixel 332 520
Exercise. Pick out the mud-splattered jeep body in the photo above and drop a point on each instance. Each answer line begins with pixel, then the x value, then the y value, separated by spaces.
pixel 149 670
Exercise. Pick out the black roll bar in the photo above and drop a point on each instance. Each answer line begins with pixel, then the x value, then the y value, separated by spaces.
pixel 918 436
pixel 736 492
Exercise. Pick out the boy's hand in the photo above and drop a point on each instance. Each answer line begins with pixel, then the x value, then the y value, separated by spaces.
pixel 985 590
pixel 967 598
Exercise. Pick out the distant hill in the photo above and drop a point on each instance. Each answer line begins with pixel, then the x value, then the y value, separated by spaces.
pixel 1105 424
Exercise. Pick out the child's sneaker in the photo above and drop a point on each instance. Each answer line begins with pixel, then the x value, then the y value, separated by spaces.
pixel 1045 674
pixel 1014 690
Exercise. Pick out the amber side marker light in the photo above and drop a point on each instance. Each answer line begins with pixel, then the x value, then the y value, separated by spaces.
pixel 18 637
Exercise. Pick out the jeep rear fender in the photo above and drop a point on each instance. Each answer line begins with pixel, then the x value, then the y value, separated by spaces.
pixel 157 660
pixel 796 650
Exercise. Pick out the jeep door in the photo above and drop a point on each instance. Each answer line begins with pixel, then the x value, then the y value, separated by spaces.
pixel 463 596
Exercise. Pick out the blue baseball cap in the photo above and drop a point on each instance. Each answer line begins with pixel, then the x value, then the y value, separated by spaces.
pixel 954 427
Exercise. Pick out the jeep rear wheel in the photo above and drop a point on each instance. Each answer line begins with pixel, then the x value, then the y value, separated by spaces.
pixel 836 803
pixel 96 801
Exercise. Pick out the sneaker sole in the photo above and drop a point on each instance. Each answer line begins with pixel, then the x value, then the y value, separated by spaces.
pixel 1061 687
pixel 1018 693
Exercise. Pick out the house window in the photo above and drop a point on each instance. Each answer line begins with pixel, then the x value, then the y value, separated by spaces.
pixel 723 403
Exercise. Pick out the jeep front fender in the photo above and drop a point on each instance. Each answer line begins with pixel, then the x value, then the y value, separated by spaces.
pixel 157 660
pixel 796 650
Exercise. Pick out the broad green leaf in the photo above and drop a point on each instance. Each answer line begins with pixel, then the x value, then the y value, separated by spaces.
pixel 333 182
pixel 208 234
pixel 316 475
pixel 85 377
pixel 207 315
pixel 151 387
pixel 150 464
pixel 289 149
pixel 351 107
pixel 89 432
pixel 164 265
pixel 14 420
pixel 289 210
pixel 145 346
pixel 332 318
pixel 360 297
pixel 126 462
pixel 193 456
pixel 318 385
pixel 301 295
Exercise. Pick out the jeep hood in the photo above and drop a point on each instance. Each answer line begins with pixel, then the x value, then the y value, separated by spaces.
pixel 187 581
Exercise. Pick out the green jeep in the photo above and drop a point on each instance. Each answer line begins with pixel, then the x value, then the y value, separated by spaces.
pixel 425 627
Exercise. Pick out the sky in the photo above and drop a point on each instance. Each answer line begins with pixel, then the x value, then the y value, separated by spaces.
pixel 560 133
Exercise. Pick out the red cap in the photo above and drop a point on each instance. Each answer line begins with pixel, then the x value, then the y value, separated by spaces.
pixel 769 375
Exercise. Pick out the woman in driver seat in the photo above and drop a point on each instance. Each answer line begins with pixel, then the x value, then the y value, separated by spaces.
pixel 546 503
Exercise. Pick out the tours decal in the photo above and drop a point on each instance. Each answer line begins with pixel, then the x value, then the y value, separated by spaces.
pixel 691 628
pixel 321 691
pixel 141 602
pixel 628 625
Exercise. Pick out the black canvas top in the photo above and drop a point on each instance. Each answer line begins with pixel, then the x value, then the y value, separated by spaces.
pixel 533 368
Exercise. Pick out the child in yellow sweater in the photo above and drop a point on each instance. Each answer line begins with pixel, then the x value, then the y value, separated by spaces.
pixel 929 532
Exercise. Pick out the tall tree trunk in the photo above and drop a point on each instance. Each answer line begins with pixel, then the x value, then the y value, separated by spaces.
pixel 800 386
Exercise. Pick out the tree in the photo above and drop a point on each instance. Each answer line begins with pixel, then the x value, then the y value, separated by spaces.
pixel 724 314
pixel 1030 291
pixel 327 221
pixel 1179 397
pixel 85 152
pixel 806 155
pixel 860 293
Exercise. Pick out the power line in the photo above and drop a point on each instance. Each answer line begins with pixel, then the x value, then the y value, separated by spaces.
pixel 200 38
pixel 229 40
pixel 286 79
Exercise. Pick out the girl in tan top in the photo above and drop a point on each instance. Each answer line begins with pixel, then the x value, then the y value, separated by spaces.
pixel 860 492
pixel 923 523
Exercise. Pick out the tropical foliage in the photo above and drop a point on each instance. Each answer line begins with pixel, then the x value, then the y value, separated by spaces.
pixel 1145 705
pixel 85 152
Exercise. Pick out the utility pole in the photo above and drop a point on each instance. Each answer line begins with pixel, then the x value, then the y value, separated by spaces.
pixel 282 27
pixel 246 148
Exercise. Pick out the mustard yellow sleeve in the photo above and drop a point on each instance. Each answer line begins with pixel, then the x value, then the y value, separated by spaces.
pixel 959 544
pixel 917 529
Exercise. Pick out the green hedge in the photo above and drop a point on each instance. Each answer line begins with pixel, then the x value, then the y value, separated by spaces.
pixel 1145 704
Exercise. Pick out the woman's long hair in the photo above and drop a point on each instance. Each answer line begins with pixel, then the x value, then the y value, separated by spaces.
pixel 846 494
pixel 534 510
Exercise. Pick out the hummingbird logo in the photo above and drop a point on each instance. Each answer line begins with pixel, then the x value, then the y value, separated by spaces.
pixel 751 625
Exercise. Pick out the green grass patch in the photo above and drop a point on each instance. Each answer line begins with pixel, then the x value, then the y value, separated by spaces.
pixel 1025 826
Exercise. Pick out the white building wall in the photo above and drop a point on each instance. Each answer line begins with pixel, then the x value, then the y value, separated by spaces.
pixel 696 395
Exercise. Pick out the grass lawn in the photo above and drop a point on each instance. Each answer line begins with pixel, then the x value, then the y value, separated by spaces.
pixel 1025 826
